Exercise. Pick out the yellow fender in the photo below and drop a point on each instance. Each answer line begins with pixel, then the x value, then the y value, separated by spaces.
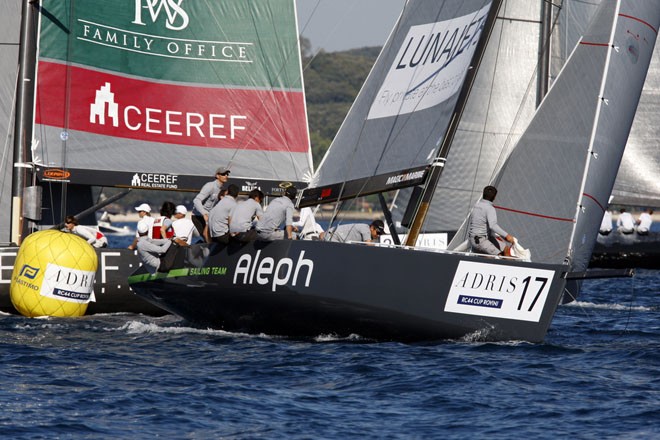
pixel 53 275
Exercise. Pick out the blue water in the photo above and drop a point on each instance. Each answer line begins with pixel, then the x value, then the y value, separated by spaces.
pixel 130 376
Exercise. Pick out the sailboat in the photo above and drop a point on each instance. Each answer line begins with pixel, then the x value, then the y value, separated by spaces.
pixel 497 114
pixel 148 95
pixel 637 183
pixel 400 133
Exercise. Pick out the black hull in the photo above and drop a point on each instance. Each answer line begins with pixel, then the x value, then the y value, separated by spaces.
pixel 619 251
pixel 341 289
pixel 113 294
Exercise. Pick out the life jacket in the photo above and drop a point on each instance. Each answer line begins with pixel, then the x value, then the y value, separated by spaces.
pixel 156 229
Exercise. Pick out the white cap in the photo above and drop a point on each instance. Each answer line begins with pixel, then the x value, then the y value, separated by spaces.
pixel 142 227
pixel 143 207
pixel 180 209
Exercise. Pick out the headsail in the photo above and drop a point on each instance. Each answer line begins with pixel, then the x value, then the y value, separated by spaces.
pixel 637 182
pixel 154 94
pixel 557 181
pixel 393 131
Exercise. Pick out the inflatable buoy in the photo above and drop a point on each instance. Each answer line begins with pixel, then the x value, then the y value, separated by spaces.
pixel 53 275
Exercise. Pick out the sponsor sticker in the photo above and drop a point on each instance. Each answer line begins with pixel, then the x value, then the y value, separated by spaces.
pixel 499 291
pixel 67 284
pixel 430 65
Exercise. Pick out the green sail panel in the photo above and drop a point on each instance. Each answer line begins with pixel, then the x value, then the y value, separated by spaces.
pixel 229 42
pixel 171 87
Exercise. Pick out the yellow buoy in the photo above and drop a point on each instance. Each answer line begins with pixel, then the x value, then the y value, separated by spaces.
pixel 53 275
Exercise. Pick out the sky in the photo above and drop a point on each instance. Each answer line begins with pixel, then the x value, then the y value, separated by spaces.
pixel 346 24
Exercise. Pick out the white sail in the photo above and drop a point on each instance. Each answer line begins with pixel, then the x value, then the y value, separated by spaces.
pixel 558 179
pixel 10 13
pixel 638 179
pixel 394 129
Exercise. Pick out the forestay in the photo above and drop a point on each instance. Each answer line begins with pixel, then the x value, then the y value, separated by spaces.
pixel 148 93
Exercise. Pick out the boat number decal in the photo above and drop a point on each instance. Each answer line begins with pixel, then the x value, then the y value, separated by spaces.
pixel 499 291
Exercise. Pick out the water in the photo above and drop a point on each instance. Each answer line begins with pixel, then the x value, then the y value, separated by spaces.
pixel 130 376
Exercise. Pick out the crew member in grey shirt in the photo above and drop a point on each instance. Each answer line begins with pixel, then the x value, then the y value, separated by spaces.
pixel 150 249
pixel 483 227
pixel 279 211
pixel 244 216
pixel 220 214
pixel 207 198
pixel 356 232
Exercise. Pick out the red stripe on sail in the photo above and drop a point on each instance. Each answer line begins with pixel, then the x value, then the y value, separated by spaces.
pixel 533 214
pixel 587 43
pixel 594 199
pixel 639 20
pixel 188 115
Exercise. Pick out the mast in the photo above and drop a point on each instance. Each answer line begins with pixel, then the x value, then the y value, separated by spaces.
pixel 544 49
pixel 22 172
pixel 439 162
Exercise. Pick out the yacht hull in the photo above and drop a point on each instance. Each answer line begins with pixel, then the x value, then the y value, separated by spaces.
pixel 311 288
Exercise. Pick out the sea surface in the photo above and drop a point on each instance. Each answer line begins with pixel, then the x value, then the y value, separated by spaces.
pixel 125 376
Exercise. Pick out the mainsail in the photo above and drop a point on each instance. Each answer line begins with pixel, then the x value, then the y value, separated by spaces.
pixel 157 94
pixel 414 83
pixel 501 103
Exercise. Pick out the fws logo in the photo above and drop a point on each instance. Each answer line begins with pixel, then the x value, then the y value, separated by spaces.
pixel 176 18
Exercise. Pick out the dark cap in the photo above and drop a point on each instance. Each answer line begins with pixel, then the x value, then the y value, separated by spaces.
pixel 378 226
pixel 291 192
pixel 222 170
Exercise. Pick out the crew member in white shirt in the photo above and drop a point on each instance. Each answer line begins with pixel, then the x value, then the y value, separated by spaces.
pixel 184 228
pixel 644 222
pixel 625 223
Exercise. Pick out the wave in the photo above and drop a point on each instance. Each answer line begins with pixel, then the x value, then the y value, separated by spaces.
pixel 609 306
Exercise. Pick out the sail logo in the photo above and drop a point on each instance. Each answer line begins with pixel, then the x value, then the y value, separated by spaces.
pixel 163 46
pixel 430 65
pixel 155 181
pixel 176 17
pixel 267 270
pixel 499 291
pixel 171 123
pixel 104 105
